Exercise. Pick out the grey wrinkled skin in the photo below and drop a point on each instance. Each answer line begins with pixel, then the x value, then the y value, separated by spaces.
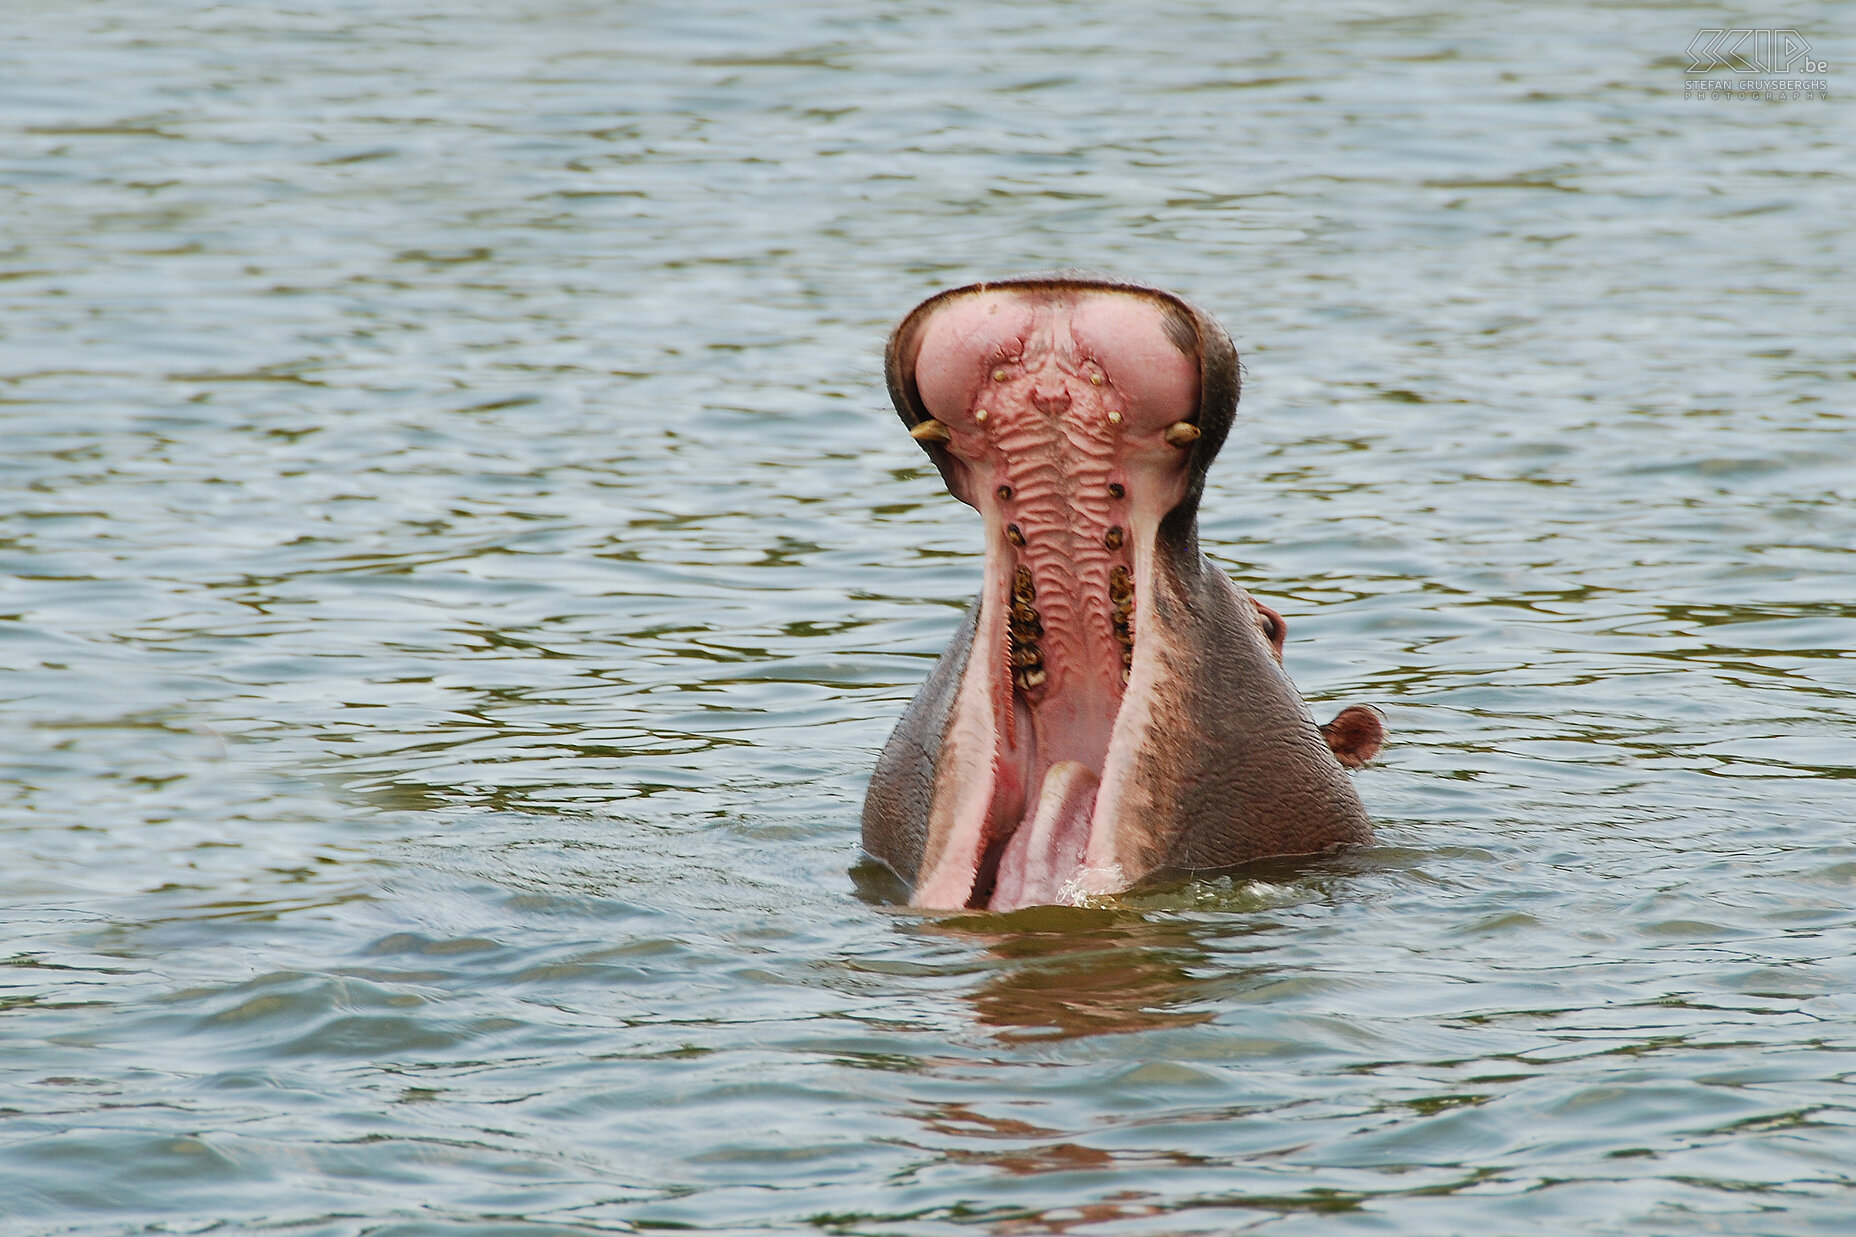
pixel 1242 771
pixel 1237 769
pixel 901 790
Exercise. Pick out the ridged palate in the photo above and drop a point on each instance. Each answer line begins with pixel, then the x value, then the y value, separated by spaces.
pixel 1055 448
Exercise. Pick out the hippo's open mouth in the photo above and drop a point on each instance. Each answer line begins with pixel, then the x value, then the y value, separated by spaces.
pixel 1067 417
pixel 1070 414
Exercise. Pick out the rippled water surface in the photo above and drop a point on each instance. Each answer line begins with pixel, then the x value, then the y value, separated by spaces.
pixel 461 566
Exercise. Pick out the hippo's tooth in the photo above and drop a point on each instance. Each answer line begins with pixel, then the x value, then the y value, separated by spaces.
pixel 931 430
pixel 1182 434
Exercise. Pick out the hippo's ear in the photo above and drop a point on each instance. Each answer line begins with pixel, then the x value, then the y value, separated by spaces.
pixel 1274 628
pixel 1355 734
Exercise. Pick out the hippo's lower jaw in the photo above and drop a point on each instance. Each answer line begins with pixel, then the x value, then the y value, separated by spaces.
pixel 1113 705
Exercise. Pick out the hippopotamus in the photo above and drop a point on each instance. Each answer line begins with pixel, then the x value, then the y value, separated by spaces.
pixel 1114 706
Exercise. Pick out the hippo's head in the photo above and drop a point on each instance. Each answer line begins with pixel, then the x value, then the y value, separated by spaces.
pixel 1113 706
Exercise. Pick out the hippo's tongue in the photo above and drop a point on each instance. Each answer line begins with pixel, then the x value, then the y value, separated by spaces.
pixel 1046 854
pixel 1064 412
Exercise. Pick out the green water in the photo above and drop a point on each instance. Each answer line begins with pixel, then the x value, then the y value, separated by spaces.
pixel 460 567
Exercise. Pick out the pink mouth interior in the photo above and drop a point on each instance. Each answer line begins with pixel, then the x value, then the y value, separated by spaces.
pixel 1057 403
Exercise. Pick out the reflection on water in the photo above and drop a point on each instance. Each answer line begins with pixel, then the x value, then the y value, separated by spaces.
pixel 1066 972
pixel 459 567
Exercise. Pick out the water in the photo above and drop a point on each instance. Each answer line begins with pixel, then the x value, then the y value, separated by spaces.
pixel 462 567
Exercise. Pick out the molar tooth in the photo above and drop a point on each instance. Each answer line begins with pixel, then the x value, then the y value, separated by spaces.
pixel 1022 587
pixel 1112 538
pixel 1115 490
pixel 930 430
pixel 1120 585
pixel 1013 535
pixel 1005 493
pixel 1182 434
pixel 1026 655
pixel 980 415
pixel 1114 418
pixel 999 375
pixel 1095 379
pixel 1032 677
